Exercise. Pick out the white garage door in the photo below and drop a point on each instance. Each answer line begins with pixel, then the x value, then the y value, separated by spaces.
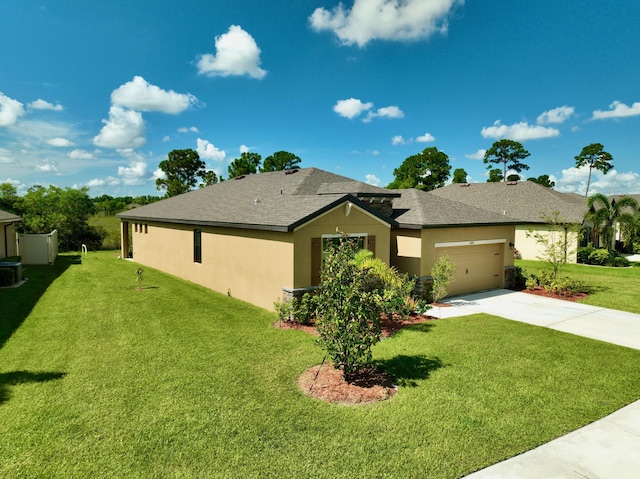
pixel 478 267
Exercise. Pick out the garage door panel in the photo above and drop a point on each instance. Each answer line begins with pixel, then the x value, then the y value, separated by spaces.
pixel 477 267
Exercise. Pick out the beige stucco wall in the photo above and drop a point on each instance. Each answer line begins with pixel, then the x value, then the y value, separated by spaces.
pixel 251 265
pixel 529 248
pixel 477 233
pixel 415 252
pixel 357 221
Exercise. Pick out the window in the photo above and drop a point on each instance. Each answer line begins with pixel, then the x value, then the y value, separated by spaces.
pixel 319 248
pixel 197 246
pixel 146 229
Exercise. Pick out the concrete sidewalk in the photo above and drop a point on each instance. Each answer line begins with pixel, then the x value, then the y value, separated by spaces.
pixel 605 449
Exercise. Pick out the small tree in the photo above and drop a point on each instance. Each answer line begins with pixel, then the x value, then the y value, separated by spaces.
pixel 442 275
pixel 543 180
pixel 495 175
pixel 247 164
pixel 349 323
pixel 558 243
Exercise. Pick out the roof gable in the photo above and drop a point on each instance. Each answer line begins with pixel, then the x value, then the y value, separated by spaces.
pixel 6 217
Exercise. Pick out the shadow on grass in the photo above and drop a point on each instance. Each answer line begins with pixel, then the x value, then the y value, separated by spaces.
pixel 21 377
pixel 406 370
pixel 16 303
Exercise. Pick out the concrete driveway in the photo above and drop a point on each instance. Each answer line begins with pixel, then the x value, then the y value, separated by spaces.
pixel 616 327
pixel 605 449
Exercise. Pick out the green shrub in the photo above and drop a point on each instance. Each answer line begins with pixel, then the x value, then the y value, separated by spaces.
pixel 636 247
pixel 532 282
pixel 618 262
pixel 7 277
pixel 349 315
pixel 599 257
pixel 519 278
pixel 583 254
pixel 283 309
pixel 305 309
pixel 442 274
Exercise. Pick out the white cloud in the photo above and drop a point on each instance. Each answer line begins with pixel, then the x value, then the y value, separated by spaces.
pixel 59 142
pixel 166 138
pixel 191 129
pixel 427 137
pixel 142 96
pixel 244 149
pixel 351 107
pixel 10 110
pixel 237 53
pixel 5 156
pixel 374 152
pixel 159 174
pixel 478 155
pixel 100 182
pixel 556 115
pixel 574 180
pixel 124 129
pixel 48 167
pixel 385 112
pixel 134 174
pixel 208 151
pixel 398 140
pixel 518 131
pixel 617 110
pixel 384 20
pixel 79 154
pixel 372 180
pixel 40 104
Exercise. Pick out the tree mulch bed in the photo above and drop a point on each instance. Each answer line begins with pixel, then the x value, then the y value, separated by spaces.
pixel 371 385
pixel 328 384
pixel 548 294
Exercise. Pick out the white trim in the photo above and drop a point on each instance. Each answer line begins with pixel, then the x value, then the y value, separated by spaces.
pixel 469 243
pixel 343 205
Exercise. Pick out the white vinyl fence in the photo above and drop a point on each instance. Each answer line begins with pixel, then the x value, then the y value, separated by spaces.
pixel 38 249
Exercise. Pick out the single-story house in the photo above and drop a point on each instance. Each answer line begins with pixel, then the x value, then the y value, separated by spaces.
pixel 619 236
pixel 527 202
pixel 8 238
pixel 261 237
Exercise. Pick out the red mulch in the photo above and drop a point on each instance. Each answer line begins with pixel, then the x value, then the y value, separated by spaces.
pixel 329 385
pixel 548 294
pixel 326 383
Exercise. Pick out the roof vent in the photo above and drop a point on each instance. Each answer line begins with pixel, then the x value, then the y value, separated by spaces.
pixel 239 177
pixel 464 185
pixel 511 183
pixel 290 171
pixel 256 201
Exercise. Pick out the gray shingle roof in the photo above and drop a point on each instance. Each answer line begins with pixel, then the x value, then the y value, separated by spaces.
pixel 419 209
pixel 524 200
pixel 275 201
pixel 6 217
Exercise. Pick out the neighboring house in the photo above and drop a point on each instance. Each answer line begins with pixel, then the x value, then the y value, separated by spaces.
pixel 258 236
pixel 528 203
pixel 8 238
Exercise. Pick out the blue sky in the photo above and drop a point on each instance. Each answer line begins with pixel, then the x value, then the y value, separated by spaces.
pixel 97 93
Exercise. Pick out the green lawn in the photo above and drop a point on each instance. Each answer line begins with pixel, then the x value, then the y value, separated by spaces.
pixel 616 288
pixel 100 380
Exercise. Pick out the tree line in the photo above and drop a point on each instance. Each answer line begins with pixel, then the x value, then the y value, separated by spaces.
pixel 430 168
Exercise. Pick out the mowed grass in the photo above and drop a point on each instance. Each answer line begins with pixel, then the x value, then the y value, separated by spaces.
pixel 98 379
pixel 615 288
pixel 111 226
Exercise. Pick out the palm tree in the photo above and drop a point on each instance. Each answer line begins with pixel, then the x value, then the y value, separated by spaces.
pixel 605 215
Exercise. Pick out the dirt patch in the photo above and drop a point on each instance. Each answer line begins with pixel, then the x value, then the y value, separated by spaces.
pixel 548 294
